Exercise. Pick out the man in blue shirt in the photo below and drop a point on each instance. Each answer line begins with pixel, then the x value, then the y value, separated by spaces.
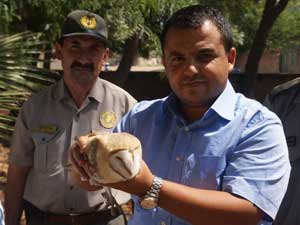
pixel 1 214
pixel 211 156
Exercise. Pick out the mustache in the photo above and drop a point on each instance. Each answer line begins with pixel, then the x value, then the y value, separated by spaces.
pixel 194 78
pixel 78 65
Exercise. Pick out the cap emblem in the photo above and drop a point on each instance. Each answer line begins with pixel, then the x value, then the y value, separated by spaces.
pixel 88 22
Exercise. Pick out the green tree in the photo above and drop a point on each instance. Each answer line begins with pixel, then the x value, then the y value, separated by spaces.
pixel 272 10
pixel 133 24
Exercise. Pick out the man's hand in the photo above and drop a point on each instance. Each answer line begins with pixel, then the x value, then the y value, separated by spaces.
pixel 138 185
pixel 84 171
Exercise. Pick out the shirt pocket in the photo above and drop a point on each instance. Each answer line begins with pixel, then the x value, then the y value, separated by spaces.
pixel 204 171
pixel 49 149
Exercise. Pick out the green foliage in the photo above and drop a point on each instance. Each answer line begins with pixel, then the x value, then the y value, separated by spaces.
pixel 146 18
pixel 286 30
pixel 124 18
pixel 245 19
pixel 7 14
pixel 19 75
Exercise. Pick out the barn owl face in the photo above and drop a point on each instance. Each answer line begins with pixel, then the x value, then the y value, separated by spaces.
pixel 115 156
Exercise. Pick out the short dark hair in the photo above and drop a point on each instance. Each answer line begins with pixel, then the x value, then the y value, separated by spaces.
pixel 194 16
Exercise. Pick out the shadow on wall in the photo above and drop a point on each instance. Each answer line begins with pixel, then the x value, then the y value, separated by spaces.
pixel 152 85
pixel 264 82
pixel 144 85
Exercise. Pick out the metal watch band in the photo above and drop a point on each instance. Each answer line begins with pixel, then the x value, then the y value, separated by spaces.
pixel 155 188
pixel 150 199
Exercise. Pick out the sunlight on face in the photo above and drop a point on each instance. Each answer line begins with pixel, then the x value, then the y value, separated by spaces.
pixel 197 64
pixel 82 59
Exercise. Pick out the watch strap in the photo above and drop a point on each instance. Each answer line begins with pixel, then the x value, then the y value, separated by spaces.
pixel 154 190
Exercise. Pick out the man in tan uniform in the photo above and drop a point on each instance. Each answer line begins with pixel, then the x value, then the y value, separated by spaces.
pixel 79 103
pixel 284 100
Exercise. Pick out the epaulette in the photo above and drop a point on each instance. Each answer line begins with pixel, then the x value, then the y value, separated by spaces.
pixel 285 86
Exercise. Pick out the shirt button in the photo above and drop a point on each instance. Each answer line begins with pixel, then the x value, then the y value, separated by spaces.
pixel 177 158
pixel 163 223
pixel 71 187
pixel 187 129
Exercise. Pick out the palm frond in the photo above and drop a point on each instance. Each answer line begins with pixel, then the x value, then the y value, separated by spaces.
pixel 20 75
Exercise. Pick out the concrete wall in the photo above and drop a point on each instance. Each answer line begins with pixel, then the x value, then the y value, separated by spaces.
pixel 269 62
pixel 286 60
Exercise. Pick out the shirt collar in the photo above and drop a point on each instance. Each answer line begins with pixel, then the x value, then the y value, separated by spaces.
pixel 224 105
pixel 97 91
pixel 60 91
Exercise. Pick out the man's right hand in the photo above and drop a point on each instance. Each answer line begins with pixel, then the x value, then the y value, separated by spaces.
pixel 81 170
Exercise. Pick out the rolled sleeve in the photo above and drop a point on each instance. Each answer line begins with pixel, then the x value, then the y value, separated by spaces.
pixel 259 167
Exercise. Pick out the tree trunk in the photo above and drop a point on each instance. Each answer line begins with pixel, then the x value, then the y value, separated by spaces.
pixel 271 11
pixel 130 51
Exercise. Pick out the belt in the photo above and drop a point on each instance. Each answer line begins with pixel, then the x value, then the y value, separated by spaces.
pixel 34 213
pixel 82 219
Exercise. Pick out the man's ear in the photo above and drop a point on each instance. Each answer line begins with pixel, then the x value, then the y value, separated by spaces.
pixel 105 55
pixel 231 56
pixel 164 63
pixel 58 51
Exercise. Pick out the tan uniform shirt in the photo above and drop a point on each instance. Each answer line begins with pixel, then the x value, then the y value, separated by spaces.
pixel 285 102
pixel 45 129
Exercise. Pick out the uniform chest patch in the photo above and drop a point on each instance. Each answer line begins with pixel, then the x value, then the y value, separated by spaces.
pixel 47 129
pixel 108 119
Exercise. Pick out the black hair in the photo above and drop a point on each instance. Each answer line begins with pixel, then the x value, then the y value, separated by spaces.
pixel 194 16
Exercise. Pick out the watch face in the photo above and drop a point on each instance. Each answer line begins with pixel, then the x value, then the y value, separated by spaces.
pixel 148 203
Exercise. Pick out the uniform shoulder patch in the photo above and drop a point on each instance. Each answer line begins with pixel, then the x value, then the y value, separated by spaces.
pixel 285 86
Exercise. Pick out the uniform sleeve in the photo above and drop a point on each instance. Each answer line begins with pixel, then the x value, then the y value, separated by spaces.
pixel 259 168
pixel 21 145
pixel 129 121
pixel 267 102
pixel 130 103
pixel 123 125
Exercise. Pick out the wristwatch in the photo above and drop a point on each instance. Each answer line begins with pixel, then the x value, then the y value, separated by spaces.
pixel 150 199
